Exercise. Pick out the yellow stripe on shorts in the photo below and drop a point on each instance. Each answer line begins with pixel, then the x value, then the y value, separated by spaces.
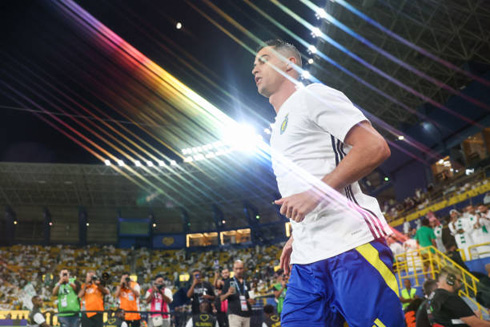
pixel 379 323
pixel 370 253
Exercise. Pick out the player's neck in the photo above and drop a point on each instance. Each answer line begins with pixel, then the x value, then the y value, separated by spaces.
pixel 285 91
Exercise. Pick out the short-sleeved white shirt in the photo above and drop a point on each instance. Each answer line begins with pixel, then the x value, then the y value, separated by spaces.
pixel 38 320
pixel 307 144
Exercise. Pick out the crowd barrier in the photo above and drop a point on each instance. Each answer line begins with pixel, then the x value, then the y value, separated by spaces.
pixel 178 318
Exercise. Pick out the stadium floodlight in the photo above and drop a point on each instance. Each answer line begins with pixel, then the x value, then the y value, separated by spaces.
pixel 120 163
pixel 188 159
pixel 210 155
pixel 401 137
pixel 161 163
pixel 107 162
pixel 312 49
pixel 316 32
pixel 184 151
pixel 199 157
pixel 321 13
pixel 267 131
pixel 178 25
pixel 241 137
pixel 311 61
pixel 149 163
pixel 173 163
pixel 137 163
pixel 306 74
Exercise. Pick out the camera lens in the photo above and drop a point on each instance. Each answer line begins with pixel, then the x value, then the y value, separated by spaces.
pixel 128 279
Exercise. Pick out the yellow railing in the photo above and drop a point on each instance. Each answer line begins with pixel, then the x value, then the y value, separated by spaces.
pixel 427 263
pixel 449 201
pixel 479 252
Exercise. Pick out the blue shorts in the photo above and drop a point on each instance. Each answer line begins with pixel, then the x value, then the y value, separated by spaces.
pixel 357 287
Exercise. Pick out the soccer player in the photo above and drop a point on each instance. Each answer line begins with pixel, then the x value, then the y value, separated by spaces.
pixel 321 145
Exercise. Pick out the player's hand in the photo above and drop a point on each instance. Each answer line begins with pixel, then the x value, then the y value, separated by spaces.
pixel 297 206
pixel 286 256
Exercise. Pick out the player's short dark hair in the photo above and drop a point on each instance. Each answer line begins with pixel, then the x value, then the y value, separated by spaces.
pixel 425 222
pixel 283 47
pixel 125 273
pixel 268 308
pixel 158 276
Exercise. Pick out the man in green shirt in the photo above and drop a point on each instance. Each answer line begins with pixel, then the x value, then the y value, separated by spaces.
pixel 280 289
pixel 68 303
pixel 425 237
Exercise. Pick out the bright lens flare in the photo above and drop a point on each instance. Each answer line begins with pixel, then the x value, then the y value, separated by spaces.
pixel 241 137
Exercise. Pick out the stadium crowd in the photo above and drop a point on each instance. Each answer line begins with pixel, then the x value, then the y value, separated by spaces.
pixel 181 285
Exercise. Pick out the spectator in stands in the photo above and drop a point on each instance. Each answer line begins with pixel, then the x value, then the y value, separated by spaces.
pixel 481 232
pixel 200 291
pixel 460 228
pixel 395 247
pixel 280 289
pixel 453 254
pixel 202 318
pixel 36 318
pixel 475 233
pixel 271 319
pixel 92 294
pixel 128 293
pixel 422 318
pixel 408 293
pixel 437 227
pixel 447 308
pixel 159 297
pixel 68 303
pixel 239 301
pixel 425 237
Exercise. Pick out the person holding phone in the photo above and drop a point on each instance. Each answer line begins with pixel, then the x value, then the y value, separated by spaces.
pixel 68 303
pixel 200 291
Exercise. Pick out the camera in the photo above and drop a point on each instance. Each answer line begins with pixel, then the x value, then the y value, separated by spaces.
pixel 128 280
pixel 159 287
pixel 65 274
pixel 94 278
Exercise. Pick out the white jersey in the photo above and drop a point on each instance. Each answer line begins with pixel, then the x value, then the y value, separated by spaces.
pixel 307 143
pixel 438 234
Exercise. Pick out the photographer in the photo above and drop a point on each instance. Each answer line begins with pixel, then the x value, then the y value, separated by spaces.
pixel 159 297
pixel 68 303
pixel 128 293
pixel 199 292
pixel 92 294
pixel 447 308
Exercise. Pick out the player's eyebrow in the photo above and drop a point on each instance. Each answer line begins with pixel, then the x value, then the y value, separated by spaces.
pixel 260 58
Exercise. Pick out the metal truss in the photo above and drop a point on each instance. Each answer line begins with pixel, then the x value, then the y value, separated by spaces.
pixel 193 188
pixel 453 30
